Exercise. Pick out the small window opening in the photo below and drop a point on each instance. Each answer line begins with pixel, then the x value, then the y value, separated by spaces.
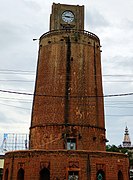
pixel 73 175
pixel 71 143
pixel 20 175
pixel 71 58
pixel 100 175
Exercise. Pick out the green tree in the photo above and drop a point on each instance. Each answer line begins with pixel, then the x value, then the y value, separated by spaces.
pixel 112 148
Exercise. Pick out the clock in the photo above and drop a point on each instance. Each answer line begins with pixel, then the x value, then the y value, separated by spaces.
pixel 67 16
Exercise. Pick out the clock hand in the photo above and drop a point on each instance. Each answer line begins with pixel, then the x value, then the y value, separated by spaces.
pixel 68 16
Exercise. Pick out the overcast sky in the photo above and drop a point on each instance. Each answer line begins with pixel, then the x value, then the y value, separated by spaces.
pixel 23 20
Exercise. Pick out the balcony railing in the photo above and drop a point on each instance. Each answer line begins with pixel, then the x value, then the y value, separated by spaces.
pixel 62 31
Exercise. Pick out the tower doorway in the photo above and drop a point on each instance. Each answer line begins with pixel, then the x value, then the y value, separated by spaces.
pixel 120 175
pixel 44 174
pixel 20 175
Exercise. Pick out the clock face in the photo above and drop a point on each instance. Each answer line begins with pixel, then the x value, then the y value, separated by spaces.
pixel 67 16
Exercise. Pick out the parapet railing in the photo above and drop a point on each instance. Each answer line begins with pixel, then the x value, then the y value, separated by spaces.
pixel 61 31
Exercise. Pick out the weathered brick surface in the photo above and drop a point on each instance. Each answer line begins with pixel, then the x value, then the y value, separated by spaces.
pixel 54 137
pixel 85 106
pixel 60 162
pixel 73 110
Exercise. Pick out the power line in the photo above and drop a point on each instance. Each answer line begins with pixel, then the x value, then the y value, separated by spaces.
pixel 14 73
pixel 15 70
pixel 119 101
pixel 15 106
pixel 18 99
pixel 114 115
pixel 10 80
pixel 87 104
pixel 117 81
pixel 117 75
pixel 117 106
pixel 30 100
pixel 120 115
pixel 15 92
pixel 30 94
pixel 17 80
pixel 24 72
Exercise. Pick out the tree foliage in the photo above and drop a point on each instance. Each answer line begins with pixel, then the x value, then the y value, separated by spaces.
pixel 112 148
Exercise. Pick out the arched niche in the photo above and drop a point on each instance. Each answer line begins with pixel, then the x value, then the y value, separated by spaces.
pixel 100 175
pixel 44 174
pixel 120 175
pixel 20 175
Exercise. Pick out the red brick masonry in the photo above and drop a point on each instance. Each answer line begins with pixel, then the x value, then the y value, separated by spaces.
pixel 60 162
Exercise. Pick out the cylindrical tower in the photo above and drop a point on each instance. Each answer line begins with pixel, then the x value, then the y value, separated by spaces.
pixel 68 101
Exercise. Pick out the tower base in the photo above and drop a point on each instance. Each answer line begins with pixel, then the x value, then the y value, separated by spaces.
pixel 65 165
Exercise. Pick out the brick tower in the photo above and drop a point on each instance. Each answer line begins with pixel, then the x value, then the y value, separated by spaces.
pixel 67 133
pixel 68 101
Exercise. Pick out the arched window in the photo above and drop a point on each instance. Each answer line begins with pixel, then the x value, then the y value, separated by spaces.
pixel 20 175
pixel 6 174
pixel 100 175
pixel 120 175
pixel 45 174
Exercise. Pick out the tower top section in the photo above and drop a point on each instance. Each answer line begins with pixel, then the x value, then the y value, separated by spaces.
pixel 126 142
pixel 67 17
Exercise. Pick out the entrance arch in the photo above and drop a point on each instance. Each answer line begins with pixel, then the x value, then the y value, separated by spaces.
pixel 20 175
pixel 100 175
pixel 120 175
pixel 44 174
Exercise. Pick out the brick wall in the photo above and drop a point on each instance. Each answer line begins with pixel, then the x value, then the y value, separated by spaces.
pixel 60 163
